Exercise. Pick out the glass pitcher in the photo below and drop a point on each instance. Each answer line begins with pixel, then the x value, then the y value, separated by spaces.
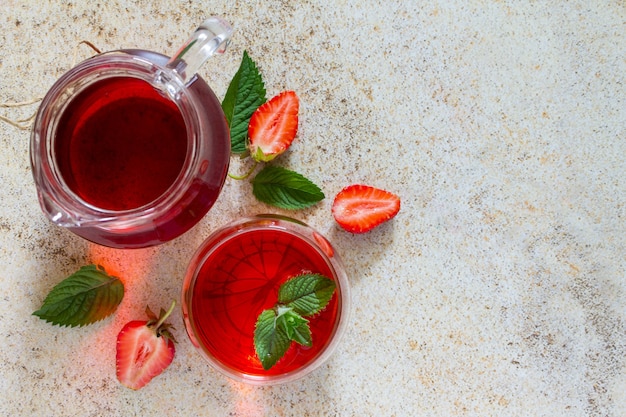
pixel 131 148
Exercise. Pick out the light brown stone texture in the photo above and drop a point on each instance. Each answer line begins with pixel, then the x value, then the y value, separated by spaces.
pixel 498 290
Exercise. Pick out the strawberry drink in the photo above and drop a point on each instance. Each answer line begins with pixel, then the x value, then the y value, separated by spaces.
pixel 120 144
pixel 236 274
pixel 130 148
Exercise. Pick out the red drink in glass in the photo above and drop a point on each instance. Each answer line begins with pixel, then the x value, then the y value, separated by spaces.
pixel 236 275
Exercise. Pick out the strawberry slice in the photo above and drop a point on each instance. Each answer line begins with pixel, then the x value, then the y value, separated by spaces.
pixel 273 126
pixel 144 349
pixel 359 208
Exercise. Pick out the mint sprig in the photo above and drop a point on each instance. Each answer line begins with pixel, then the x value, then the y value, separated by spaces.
pixel 272 185
pixel 284 188
pixel 245 94
pixel 301 296
pixel 86 296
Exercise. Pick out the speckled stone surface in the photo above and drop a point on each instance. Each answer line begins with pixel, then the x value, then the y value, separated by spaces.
pixel 499 289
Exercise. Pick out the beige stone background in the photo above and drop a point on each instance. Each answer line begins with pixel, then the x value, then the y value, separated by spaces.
pixel 499 289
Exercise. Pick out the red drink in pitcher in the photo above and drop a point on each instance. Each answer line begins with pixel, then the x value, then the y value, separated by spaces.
pixel 130 148
pixel 236 275
pixel 120 144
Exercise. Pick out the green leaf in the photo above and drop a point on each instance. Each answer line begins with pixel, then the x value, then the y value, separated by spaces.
pixel 86 296
pixel 270 341
pixel 297 327
pixel 292 322
pixel 302 334
pixel 302 295
pixel 246 92
pixel 286 189
pixel 306 294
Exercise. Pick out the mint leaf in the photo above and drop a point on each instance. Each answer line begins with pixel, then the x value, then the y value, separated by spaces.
pixel 86 296
pixel 302 334
pixel 302 295
pixel 306 294
pixel 290 321
pixel 286 189
pixel 246 92
pixel 270 341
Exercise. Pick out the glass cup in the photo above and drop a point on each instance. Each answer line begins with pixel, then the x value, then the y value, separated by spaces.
pixel 235 275
pixel 131 148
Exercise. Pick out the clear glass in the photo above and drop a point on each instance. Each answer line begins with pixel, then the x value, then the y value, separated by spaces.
pixel 235 275
pixel 194 185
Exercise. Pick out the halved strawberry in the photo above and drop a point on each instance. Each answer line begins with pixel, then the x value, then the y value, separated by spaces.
pixel 359 208
pixel 273 126
pixel 144 349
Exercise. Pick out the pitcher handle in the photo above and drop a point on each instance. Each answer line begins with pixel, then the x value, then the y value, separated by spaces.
pixel 210 38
